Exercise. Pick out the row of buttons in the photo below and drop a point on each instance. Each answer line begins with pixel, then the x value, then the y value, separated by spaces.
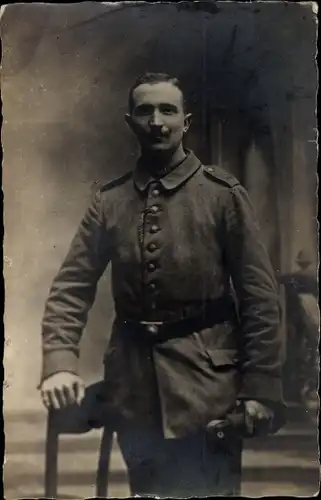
pixel 152 247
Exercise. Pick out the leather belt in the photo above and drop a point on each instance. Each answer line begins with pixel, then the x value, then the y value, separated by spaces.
pixel 163 330
pixel 176 311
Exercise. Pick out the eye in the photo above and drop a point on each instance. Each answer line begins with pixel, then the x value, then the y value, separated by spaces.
pixel 167 109
pixel 143 110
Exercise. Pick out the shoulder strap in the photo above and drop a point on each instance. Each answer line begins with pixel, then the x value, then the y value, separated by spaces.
pixel 106 186
pixel 220 175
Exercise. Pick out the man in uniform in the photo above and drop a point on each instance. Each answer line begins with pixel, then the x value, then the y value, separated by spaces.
pixel 182 240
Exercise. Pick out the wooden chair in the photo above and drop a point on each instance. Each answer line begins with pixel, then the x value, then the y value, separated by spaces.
pixel 302 312
pixel 78 419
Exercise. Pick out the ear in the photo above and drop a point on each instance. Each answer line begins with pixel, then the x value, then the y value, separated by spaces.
pixel 129 121
pixel 187 122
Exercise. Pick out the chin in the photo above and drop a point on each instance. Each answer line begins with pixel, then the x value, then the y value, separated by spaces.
pixel 160 147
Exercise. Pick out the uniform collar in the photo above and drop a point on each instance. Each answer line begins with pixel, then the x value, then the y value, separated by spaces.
pixel 173 179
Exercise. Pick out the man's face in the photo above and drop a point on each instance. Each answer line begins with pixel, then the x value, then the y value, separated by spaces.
pixel 158 117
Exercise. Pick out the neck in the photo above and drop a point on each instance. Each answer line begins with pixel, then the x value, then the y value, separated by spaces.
pixel 156 162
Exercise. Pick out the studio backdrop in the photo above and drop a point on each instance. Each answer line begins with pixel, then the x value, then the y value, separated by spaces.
pixel 249 73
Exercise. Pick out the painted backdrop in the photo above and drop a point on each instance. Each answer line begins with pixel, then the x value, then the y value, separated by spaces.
pixel 250 77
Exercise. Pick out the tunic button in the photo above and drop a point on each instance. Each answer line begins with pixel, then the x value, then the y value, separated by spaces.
pixel 154 228
pixel 151 266
pixel 154 209
pixel 155 192
pixel 210 169
pixel 152 247
pixel 152 286
pixel 152 329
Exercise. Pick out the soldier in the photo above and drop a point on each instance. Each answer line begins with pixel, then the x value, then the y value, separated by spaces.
pixel 182 240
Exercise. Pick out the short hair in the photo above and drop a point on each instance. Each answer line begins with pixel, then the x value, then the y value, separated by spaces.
pixel 152 79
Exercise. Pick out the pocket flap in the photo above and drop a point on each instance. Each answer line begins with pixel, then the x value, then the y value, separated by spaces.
pixel 223 357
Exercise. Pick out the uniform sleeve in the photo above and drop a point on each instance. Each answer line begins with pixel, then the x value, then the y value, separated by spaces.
pixel 257 294
pixel 73 292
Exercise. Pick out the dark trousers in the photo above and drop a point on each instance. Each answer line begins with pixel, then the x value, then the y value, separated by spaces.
pixel 185 467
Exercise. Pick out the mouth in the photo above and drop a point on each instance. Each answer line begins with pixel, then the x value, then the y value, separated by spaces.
pixel 158 138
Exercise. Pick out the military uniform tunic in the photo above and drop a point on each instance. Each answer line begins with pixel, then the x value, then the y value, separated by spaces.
pixel 183 247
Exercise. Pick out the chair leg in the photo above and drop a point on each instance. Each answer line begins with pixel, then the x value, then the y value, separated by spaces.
pixel 103 463
pixel 51 458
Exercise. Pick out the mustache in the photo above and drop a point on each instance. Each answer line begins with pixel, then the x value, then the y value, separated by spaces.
pixel 161 132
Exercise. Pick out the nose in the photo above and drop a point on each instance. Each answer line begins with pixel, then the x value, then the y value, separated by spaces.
pixel 156 119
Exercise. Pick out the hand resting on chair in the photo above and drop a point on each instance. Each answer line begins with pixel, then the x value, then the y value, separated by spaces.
pixel 62 389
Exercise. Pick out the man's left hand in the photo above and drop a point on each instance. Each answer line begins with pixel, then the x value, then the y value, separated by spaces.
pixel 258 417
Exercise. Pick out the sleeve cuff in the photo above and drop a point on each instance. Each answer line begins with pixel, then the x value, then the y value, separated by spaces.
pixel 261 387
pixel 59 361
pixel 267 390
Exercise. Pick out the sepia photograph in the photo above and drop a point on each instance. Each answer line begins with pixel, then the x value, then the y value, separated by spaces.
pixel 161 318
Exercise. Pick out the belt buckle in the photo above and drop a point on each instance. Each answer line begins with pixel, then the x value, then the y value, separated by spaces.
pixel 152 327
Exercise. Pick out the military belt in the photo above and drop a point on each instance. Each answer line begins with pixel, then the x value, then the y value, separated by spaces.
pixel 163 330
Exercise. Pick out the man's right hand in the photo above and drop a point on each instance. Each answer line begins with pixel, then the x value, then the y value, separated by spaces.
pixel 62 389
